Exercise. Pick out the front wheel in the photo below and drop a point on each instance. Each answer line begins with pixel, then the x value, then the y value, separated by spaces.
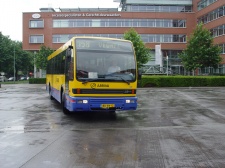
pixel 64 109
pixel 50 92
pixel 112 112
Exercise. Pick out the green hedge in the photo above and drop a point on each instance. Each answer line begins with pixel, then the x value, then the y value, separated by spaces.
pixel 37 80
pixel 182 81
pixel 167 81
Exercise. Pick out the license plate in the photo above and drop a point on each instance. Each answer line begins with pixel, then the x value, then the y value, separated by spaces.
pixel 107 105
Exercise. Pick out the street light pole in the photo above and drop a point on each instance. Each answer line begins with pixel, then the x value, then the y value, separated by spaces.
pixel 167 64
pixel 14 66
pixel 34 65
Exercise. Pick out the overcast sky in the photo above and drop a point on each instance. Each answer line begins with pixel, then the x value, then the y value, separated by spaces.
pixel 11 11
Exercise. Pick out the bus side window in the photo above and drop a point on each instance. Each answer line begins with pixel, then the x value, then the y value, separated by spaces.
pixel 69 64
pixel 71 70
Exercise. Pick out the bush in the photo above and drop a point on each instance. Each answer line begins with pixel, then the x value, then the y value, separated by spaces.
pixel 167 81
pixel 37 80
pixel 182 81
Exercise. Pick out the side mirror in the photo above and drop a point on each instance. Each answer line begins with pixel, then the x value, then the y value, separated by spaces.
pixel 68 53
pixel 139 74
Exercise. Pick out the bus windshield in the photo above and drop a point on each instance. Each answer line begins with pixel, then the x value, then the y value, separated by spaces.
pixel 106 60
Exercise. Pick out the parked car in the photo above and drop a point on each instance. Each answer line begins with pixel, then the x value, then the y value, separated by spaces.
pixel 11 79
pixel 23 78
pixel 3 79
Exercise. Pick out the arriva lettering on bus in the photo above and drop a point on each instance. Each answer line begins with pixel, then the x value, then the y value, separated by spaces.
pixel 103 85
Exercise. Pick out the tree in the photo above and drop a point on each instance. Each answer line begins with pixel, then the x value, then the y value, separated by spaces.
pixel 11 53
pixel 6 52
pixel 200 51
pixel 23 60
pixel 41 57
pixel 141 51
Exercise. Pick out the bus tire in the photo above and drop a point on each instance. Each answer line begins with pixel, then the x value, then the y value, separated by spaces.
pixel 50 92
pixel 64 109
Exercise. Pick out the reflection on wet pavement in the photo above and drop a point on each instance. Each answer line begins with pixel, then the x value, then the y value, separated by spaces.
pixel 173 127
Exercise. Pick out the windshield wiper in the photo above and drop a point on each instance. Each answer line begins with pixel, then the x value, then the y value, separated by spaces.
pixel 123 79
pixel 92 80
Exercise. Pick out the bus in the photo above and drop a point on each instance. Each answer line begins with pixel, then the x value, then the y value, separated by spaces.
pixel 78 75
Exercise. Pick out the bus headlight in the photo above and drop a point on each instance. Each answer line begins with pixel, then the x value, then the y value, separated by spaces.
pixel 82 101
pixel 85 101
pixel 130 101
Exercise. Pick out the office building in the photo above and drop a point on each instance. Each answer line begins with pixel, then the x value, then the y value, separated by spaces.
pixel 164 23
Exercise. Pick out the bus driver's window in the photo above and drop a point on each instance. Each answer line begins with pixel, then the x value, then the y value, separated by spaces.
pixel 70 63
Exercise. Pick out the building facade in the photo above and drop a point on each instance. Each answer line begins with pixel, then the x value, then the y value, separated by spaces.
pixel 167 23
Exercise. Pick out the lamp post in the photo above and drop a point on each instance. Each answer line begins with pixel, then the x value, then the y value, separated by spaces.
pixel 14 65
pixel 34 65
pixel 167 65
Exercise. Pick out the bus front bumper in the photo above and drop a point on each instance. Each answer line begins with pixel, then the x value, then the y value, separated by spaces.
pixel 101 104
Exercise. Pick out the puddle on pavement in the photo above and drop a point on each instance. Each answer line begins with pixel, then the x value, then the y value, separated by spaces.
pixel 22 129
pixel 13 129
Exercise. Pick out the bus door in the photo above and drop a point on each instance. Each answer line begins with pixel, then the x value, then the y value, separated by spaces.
pixel 69 68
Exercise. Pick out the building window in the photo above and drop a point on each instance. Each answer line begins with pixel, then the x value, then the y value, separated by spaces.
pixel 175 38
pixel 220 12
pixel 181 23
pixel 61 38
pixel 87 22
pixel 151 38
pixel 204 3
pixel 112 23
pixel 157 8
pixel 80 23
pixel 168 38
pixel 36 39
pixel 218 31
pixel 36 24
pixel 118 23
pixel 104 22
pixel 167 23
pixel 96 23
pixel 62 23
pixel 212 15
pixel 222 48
pixel 147 38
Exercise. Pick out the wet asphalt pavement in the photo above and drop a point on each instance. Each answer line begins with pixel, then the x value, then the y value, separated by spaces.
pixel 172 128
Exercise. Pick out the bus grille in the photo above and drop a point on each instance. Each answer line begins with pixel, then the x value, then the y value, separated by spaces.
pixel 103 91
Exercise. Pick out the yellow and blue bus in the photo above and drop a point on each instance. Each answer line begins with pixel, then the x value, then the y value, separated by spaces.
pixel 80 78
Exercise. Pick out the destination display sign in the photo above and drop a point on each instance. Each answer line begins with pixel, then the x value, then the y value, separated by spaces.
pixel 102 44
